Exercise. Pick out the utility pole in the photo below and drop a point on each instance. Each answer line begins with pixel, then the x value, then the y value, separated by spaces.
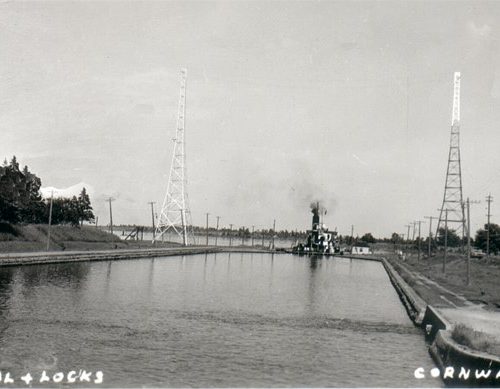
pixel 152 203
pixel 243 235
pixel 262 234
pixel 230 234
pixel 274 231
pixel 50 220
pixel 419 240
pixel 217 230
pixel 253 230
pixel 207 228
pixel 468 238
pixel 489 199
pixel 430 231
pixel 407 238
pixel 352 234
pixel 445 239
pixel 402 241
pixel 110 199
pixel 468 241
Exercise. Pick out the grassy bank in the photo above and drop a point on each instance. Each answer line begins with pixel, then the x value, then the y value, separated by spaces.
pixel 483 288
pixel 473 339
pixel 33 237
pixel 450 290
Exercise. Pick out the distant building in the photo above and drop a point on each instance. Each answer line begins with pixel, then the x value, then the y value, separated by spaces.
pixel 361 250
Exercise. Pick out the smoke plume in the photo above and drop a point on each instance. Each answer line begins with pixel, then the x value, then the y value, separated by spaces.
pixel 317 208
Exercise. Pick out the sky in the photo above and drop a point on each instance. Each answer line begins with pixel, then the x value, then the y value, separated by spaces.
pixel 348 103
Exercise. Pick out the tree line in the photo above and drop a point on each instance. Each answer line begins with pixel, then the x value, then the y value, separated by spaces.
pixel 453 240
pixel 21 201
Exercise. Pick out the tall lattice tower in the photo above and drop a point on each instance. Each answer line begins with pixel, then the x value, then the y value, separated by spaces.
pixel 452 199
pixel 175 215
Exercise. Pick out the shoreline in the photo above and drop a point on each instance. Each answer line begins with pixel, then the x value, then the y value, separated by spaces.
pixel 47 257
pixel 437 328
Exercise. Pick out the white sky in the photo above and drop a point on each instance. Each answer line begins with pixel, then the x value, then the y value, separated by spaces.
pixel 287 102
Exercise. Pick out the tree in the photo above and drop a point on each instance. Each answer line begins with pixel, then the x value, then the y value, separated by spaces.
pixel 32 206
pixel 65 211
pixel 368 238
pixel 482 235
pixel 453 240
pixel 20 200
pixel 396 238
pixel 85 212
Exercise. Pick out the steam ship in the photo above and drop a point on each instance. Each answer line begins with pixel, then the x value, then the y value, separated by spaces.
pixel 320 241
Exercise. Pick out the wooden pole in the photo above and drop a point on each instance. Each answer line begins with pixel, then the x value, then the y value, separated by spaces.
pixel 217 230
pixel 50 220
pixel 274 231
pixel 230 235
pixel 110 216
pixel 468 241
pixel 445 239
pixel 489 199
pixel 207 228
pixel 419 241
pixel 153 218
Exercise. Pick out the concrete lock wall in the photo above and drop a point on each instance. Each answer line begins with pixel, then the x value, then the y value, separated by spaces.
pixel 466 367
pixel 459 365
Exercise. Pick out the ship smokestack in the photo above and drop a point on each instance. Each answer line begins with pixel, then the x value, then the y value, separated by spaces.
pixel 315 212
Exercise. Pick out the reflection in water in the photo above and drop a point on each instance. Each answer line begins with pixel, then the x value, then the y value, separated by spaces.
pixel 63 274
pixel 108 277
pixel 182 321
pixel 150 275
pixel 314 262
pixel 108 271
pixel 205 269
pixel 6 276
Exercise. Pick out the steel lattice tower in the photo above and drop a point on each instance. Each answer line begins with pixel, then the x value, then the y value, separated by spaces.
pixel 175 215
pixel 452 199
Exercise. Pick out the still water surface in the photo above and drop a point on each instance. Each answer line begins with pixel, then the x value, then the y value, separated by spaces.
pixel 211 320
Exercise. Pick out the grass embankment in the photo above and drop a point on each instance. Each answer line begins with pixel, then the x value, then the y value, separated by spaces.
pixel 473 339
pixel 483 288
pixel 33 237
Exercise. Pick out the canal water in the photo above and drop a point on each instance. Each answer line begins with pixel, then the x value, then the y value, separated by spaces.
pixel 216 320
